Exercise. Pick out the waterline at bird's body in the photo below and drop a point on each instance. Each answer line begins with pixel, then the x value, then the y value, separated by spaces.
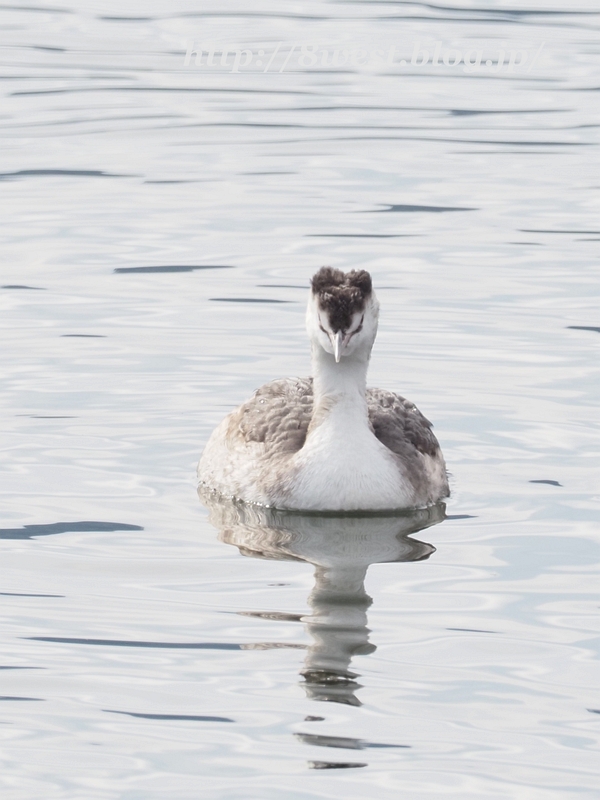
pixel 329 443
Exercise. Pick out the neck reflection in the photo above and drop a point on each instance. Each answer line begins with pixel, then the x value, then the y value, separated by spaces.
pixel 338 629
pixel 341 548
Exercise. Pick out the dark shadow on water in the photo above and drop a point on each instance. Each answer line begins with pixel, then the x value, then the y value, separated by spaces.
pixel 441 139
pixel 170 717
pixel 126 19
pixel 472 112
pixel 167 645
pixel 246 300
pixel 547 230
pixel 493 12
pixel 281 286
pixel 403 208
pixel 469 630
pixel 160 89
pixel 168 182
pixel 359 235
pixel 217 12
pixel 43 9
pixel 19 286
pixel 343 742
pixel 24 594
pixel 29 531
pixel 29 699
pixel 459 112
pixel 511 12
pixel 583 328
pixel 128 643
pixel 12 667
pixel 44 173
pixel 172 268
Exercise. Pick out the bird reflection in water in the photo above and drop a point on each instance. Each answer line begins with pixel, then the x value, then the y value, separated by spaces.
pixel 341 548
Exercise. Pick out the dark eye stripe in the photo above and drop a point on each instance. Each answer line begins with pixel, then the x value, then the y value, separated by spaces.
pixel 360 326
pixel 358 330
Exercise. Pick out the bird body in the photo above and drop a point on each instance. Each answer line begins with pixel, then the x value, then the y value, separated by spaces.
pixel 328 443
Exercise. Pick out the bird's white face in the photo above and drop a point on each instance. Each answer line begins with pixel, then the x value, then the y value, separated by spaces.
pixel 357 336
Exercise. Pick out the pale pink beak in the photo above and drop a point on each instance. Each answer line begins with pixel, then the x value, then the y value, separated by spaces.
pixel 338 342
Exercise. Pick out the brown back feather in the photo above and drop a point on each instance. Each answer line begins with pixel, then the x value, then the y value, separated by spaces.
pixel 280 412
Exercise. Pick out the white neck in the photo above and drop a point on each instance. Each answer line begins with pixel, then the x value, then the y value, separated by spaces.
pixel 342 464
pixel 340 384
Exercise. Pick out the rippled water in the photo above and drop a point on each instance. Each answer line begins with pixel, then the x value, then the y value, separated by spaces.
pixel 160 223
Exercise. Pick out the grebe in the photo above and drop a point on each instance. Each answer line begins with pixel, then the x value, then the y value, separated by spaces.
pixel 328 443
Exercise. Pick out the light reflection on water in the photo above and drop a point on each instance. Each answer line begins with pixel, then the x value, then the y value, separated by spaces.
pixel 341 548
pixel 160 223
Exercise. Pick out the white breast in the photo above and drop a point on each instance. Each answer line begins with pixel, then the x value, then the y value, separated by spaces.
pixel 343 466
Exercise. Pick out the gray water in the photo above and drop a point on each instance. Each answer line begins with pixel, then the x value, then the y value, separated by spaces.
pixel 160 223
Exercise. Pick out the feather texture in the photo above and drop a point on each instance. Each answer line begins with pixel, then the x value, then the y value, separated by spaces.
pixel 279 414
pixel 328 443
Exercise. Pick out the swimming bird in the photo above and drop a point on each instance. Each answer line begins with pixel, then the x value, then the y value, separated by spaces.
pixel 329 443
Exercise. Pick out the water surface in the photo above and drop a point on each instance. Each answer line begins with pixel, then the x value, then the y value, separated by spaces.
pixel 160 225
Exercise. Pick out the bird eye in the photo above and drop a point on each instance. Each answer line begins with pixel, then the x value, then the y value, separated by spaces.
pixel 360 325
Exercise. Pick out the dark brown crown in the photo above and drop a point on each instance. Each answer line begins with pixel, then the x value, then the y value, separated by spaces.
pixel 341 294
